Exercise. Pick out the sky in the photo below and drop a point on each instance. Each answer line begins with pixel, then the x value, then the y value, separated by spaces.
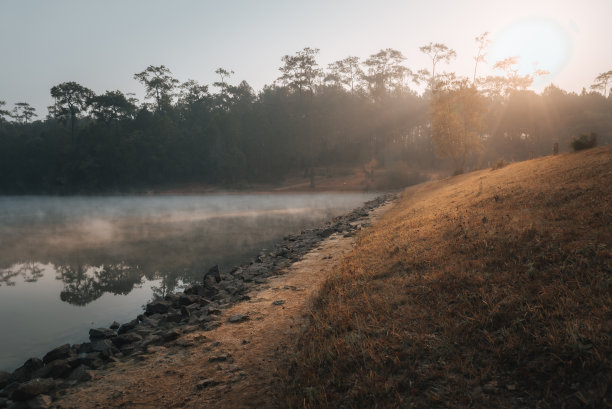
pixel 102 44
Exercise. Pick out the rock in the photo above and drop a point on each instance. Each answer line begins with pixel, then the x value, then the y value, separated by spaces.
pixel 213 272
pixel 5 378
pixel 278 302
pixel 158 307
pixel 209 326
pixel 172 298
pixel 32 388
pixel 61 352
pixel 25 371
pixel 128 326
pixel 205 383
pixel 126 338
pixel 114 325
pixel 60 368
pixel 192 289
pixel 237 318
pixel 84 348
pixel 185 343
pixel 101 333
pixel 8 390
pixel 81 374
pixel 93 360
pixel 39 402
pixel 171 335
pixel 213 311
pixel 185 312
pixel 174 316
pixel 4 402
pixel 218 358
pixel 150 339
pixel 104 346
pixel 187 299
pixel 129 349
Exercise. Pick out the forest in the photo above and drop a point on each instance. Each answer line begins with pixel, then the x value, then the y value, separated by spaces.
pixel 312 119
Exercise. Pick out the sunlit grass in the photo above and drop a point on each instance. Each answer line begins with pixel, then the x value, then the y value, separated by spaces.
pixel 490 289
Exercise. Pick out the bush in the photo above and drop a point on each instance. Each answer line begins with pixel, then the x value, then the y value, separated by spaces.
pixel 584 141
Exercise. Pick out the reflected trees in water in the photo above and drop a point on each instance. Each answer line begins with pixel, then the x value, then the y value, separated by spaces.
pixel 30 273
pixel 84 284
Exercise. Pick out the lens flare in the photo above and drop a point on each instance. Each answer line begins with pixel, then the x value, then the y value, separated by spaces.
pixel 540 44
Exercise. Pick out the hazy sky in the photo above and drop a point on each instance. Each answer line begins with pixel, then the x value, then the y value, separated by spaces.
pixel 101 44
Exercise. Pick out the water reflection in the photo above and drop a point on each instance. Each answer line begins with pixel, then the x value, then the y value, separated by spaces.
pixel 29 272
pixel 67 264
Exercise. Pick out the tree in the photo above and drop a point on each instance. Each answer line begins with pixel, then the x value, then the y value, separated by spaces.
pixel 192 94
pixel 300 70
pixel 3 113
pixel 437 52
pixel 345 72
pixel 222 98
pixel 111 107
pixel 23 112
pixel 512 81
pixel 483 42
pixel 601 82
pixel 385 71
pixel 223 73
pixel 71 99
pixel 159 85
pixel 457 111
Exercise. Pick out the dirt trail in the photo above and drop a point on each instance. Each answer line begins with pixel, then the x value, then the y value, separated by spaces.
pixel 233 366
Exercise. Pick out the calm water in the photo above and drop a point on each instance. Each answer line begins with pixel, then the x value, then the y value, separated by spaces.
pixel 69 264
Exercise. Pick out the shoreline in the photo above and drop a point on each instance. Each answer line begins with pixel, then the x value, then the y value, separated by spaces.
pixel 199 308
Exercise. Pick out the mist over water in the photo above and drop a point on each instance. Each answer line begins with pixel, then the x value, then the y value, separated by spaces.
pixel 71 263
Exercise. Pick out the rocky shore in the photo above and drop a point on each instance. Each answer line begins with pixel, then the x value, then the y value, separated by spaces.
pixel 199 308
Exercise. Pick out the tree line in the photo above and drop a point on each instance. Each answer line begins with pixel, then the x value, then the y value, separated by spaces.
pixel 350 113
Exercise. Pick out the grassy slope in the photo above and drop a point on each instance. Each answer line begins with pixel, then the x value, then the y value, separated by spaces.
pixel 491 289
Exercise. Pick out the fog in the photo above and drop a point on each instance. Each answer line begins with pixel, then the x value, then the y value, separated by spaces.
pixel 70 263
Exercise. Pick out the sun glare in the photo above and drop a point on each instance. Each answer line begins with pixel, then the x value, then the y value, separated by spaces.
pixel 540 44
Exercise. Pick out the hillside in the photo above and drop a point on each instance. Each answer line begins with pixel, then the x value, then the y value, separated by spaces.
pixel 490 289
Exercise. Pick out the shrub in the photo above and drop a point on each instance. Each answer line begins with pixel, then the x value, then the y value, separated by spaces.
pixel 584 141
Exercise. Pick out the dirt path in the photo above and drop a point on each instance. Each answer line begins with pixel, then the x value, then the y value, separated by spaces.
pixel 233 366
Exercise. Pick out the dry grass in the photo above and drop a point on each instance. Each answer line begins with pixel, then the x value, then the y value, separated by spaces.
pixel 490 289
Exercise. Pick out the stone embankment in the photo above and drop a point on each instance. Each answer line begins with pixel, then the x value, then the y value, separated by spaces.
pixel 199 308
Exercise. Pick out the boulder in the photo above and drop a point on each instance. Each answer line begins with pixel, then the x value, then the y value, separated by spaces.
pixel 39 402
pixel 81 374
pixel 61 352
pixel 104 347
pixel 32 388
pixel 5 378
pixel 127 338
pixel 114 325
pixel 92 360
pixel 158 307
pixel 25 371
pixel 101 333
pixel 171 335
pixel 188 299
pixel 60 368
pixel 185 312
pixel 128 326
pixel 84 348
pixel 237 318
pixel 8 390
pixel 174 316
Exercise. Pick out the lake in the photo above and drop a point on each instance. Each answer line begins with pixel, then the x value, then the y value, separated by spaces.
pixel 68 264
